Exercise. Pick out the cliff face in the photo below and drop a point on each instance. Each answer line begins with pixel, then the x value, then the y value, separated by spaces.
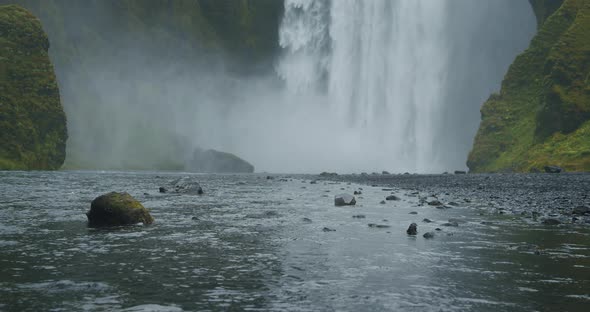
pixel 542 114
pixel 32 120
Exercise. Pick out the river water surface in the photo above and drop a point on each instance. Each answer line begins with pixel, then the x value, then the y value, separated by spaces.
pixel 251 243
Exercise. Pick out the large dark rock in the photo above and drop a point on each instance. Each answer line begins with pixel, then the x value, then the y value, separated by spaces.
pixel 212 161
pixel 114 209
pixel 344 200
pixel 184 185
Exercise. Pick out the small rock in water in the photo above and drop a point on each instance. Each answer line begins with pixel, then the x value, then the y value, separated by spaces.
pixel 438 229
pixel 269 178
pixel 453 204
pixel 413 229
pixel 428 235
pixel 454 224
pixel 358 192
pixel 195 218
pixel 392 197
pixel 163 189
pixel 460 172
pixel 382 202
pixel 553 169
pixel 551 222
pixel 387 189
pixel 427 220
pixel 344 200
pixel 413 213
pixel 486 223
pixel 184 185
pixel 308 220
pixel 313 182
pixel 327 229
pixel 435 202
pixel 359 216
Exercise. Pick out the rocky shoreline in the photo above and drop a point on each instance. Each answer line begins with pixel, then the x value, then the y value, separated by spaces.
pixel 550 199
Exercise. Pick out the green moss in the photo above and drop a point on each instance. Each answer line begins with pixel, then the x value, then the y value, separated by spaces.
pixel 32 120
pixel 544 99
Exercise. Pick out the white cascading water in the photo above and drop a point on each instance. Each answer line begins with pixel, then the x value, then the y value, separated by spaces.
pixel 383 67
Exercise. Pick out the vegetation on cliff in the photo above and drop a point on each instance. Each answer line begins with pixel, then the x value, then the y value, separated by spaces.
pixel 32 120
pixel 542 114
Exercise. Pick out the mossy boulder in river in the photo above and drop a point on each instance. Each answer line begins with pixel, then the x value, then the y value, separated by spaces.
pixel 32 120
pixel 115 209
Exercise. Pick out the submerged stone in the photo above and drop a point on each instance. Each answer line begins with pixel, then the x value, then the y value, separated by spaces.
pixel 115 209
pixel 392 197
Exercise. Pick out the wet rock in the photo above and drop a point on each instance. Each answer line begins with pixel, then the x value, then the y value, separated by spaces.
pixel 358 192
pixel 270 178
pixel 327 229
pixel 435 202
pixel 195 218
pixel 438 229
pixel 359 216
pixel 427 220
pixel 114 209
pixel 412 229
pixel 387 189
pixel 382 202
pixel 328 174
pixel 392 197
pixel 378 226
pixel 385 172
pixel 553 169
pixel 413 213
pixel 184 185
pixel 428 235
pixel 460 172
pixel 551 222
pixel 163 189
pixel 453 224
pixel 313 182
pixel 344 200
pixel 486 223
pixel 306 220
pixel 581 210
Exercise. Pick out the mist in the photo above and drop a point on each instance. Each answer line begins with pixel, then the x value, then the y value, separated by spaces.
pixel 356 86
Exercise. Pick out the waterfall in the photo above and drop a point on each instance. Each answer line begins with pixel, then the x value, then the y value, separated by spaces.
pixel 399 76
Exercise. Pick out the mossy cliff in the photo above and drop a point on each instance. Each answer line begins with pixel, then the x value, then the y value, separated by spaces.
pixel 542 114
pixel 32 120
pixel 115 59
